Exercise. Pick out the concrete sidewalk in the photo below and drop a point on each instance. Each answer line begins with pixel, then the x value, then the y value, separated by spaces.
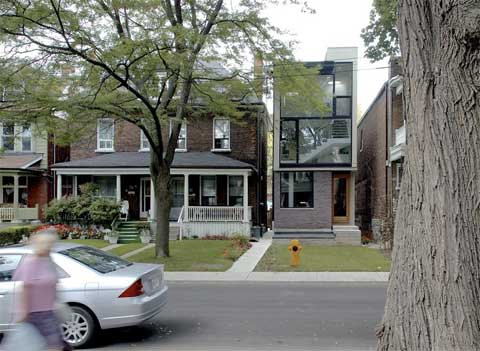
pixel 279 276
pixel 249 260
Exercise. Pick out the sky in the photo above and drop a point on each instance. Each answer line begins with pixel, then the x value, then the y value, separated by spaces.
pixel 336 23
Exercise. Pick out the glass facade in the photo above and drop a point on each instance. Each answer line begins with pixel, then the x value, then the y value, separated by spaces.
pixel 320 138
pixel 296 189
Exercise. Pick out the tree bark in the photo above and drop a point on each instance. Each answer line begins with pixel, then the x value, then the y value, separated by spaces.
pixel 434 288
pixel 160 172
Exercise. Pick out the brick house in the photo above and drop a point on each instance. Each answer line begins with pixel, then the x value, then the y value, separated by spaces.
pixel 314 162
pixel 219 171
pixel 381 151
pixel 26 179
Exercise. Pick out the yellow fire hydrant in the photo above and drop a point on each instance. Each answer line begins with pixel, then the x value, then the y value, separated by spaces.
pixel 295 247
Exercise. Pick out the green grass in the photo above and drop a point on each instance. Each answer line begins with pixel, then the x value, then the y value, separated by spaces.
pixel 319 258
pixel 190 255
pixel 97 243
pixel 125 248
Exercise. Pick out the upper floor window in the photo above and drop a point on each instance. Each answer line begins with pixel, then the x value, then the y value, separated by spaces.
pixel 221 134
pixel 8 136
pixel 144 143
pixel 105 134
pixel 182 136
pixel 26 137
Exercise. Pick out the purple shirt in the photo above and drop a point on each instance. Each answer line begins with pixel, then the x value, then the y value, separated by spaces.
pixel 40 274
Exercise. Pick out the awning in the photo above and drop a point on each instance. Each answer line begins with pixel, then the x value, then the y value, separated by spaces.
pixel 19 161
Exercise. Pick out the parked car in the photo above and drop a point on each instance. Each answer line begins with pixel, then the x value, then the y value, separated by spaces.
pixel 103 291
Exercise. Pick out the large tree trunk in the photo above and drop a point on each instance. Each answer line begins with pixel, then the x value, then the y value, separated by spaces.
pixel 160 173
pixel 434 289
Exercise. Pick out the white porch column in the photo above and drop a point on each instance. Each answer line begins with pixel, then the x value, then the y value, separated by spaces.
pixel 119 188
pixel 75 186
pixel 245 197
pixel 185 197
pixel 152 200
pixel 59 186
pixel 15 191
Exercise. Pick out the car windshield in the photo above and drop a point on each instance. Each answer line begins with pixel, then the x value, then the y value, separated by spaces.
pixel 96 259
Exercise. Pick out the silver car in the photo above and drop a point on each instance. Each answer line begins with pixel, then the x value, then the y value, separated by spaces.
pixel 103 291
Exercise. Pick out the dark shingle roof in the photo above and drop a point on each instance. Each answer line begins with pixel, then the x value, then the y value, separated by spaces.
pixel 142 160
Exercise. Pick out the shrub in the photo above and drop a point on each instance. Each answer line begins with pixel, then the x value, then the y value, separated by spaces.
pixel 215 237
pixel 85 209
pixel 238 246
pixel 13 235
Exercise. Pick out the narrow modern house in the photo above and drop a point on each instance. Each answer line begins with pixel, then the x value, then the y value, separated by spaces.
pixel 314 161
pixel 381 151
pixel 219 172
pixel 25 176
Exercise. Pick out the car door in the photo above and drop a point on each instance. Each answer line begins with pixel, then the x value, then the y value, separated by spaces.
pixel 8 264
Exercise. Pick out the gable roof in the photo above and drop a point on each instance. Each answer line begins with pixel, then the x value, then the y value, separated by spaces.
pixel 194 160
pixel 18 160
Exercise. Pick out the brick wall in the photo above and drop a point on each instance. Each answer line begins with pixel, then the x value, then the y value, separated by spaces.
pixel 38 193
pixel 318 217
pixel 371 180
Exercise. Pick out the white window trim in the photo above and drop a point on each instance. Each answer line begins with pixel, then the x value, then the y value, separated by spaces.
pixel 228 189
pixel 229 135
pixel 186 136
pixel 112 149
pixel 142 139
pixel 15 149
pixel 201 188
pixel 22 136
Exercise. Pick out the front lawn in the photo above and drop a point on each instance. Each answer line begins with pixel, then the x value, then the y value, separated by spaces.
pixel 319 258
pixel 190 255
pixel 97 243
pixel 125 248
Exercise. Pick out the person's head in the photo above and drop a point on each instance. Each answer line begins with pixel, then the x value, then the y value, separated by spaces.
pixel 43 241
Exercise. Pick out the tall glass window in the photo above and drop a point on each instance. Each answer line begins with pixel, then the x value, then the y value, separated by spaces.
pixel 319 138
pixel 178 191
pixel 296 189
pixel 235 191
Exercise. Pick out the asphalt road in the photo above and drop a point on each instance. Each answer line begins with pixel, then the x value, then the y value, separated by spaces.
pixel 258 316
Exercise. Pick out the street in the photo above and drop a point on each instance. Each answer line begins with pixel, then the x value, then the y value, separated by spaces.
pixel 258 316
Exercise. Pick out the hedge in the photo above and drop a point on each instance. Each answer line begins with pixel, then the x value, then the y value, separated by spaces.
pixel 13 235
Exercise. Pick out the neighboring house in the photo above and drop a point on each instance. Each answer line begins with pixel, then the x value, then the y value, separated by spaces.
pixel 25 177
pixel 381 151
pixel 219 171
pixel 314 162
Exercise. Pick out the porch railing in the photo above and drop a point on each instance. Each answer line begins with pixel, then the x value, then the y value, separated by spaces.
pixel 215 214
pixel 19 213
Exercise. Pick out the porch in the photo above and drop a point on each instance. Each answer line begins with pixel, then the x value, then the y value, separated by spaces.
pixel 206 201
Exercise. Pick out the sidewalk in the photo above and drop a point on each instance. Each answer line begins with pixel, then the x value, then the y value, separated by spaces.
pixel 249 260
pixel 279 276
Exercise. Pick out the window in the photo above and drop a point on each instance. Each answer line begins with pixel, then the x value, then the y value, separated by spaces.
pixel 182 136
pixel 209 190
pixel 296 189
pixel 8 264
pixel 23 191
pixel 105 134
pixel 361 140
pixel 221 131
pixel 8 136
pixel 235 191
pixel 26 137
pixel 144 143
pixel 107 186
pixel 398 180
pixel 95 259
pixel 178 191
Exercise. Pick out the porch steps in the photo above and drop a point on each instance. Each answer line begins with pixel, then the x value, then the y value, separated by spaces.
pixel 313 237
pixel 128 232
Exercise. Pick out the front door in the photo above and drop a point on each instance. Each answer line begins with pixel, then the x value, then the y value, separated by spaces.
pixel 341 198
pixel 145 194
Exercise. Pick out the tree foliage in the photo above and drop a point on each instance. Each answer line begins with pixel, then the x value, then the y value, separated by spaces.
pixel 381 35
pixel 147 62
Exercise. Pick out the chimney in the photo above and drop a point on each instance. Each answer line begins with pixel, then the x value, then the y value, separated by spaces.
pixel 258 75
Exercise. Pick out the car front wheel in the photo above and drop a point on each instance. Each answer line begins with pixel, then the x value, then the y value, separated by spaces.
pixel 79 329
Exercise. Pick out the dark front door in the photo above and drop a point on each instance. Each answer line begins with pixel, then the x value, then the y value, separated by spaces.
pixel 131 193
